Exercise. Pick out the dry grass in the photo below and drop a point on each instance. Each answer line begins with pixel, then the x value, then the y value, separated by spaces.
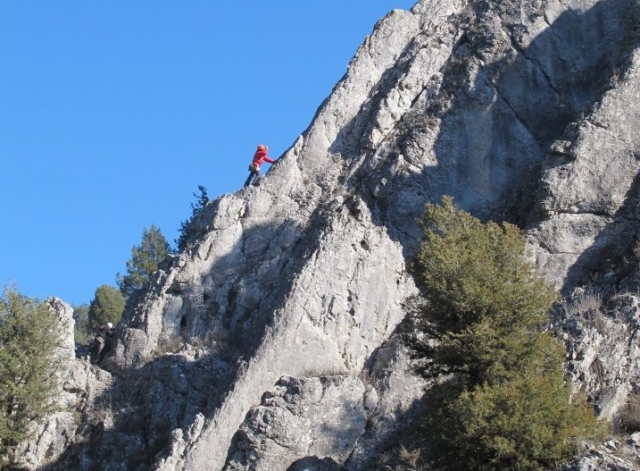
pixel 213 339
pixel 628 419
pixel 172 345
pixel 409 457
pixel 98 415
pixel 323 372
pixel 398 458
pixel 587 308
pixel 582 305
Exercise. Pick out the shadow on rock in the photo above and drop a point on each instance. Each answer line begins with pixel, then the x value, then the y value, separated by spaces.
pixel 133 424
pixel 496 119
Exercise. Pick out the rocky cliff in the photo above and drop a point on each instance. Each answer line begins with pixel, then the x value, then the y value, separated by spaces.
pixel 271 343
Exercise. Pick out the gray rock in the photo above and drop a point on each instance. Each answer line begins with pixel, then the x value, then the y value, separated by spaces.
pixel 614 456
pixel 271 342
pixel 321 416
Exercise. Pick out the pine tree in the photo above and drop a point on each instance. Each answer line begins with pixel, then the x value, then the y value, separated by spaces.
pixel 107 306
pixel 481 323
pixel 82 330
pixel 29 335
pixel 187 227
pixel 144 261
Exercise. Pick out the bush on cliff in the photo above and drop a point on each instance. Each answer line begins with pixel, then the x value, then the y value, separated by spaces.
pixel 107 306
pixel 507 404
pixel 187 230
pixel 83 333
pixel 29 335
pixel 144 261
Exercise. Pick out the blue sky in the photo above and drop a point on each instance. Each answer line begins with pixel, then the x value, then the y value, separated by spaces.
pixel 112 114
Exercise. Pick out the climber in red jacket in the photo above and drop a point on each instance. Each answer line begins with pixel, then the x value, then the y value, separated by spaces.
pixel 254 169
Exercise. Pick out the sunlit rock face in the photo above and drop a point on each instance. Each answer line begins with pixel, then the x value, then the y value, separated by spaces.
pixel 271 342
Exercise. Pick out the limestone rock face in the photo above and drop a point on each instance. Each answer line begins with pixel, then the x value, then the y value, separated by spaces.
pixel 589 191
pixel 271 343
pixel 602 348
pixel 294 420
pixel 613 454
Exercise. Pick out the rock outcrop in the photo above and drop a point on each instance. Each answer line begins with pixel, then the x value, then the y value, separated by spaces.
pixel 272 341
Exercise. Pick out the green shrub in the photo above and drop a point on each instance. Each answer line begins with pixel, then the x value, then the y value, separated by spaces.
pixel 508 406
pixel 82 329
pixel 524 424
pixel 106 306
pixel 29 334
pixel 144 261
pixel 482 296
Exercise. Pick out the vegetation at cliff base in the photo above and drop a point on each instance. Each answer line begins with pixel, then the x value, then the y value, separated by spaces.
pixel 29 336
pixel 503 402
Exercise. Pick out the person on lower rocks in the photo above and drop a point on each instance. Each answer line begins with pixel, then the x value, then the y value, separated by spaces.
pixel 104 333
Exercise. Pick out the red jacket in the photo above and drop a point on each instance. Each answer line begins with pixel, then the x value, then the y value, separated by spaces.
pixel 261 156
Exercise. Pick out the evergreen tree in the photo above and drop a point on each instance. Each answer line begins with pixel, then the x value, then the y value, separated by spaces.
pixel 483 297
pixel 29 334
pixel 144 261
pixel 106 306
pixel 187 227
pixel 82 330
pixel 482 321
pixel 527 423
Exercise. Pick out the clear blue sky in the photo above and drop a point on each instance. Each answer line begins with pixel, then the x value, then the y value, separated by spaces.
pixel 112 114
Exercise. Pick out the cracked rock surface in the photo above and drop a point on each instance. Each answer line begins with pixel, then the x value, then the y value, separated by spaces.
pixel 270 343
